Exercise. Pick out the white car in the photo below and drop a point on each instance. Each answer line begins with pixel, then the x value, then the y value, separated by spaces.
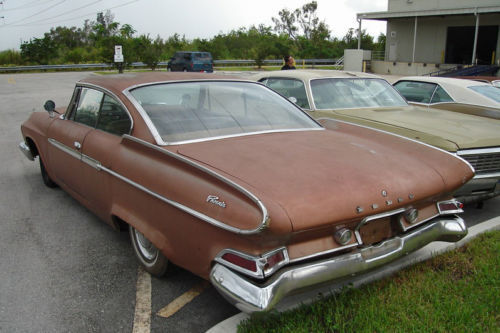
pixel 465 96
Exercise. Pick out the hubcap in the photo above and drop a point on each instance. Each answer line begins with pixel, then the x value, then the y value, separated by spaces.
pixel 147 249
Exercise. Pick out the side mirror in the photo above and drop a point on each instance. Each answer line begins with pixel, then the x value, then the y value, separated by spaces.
pixel 49 106
pixel 292 99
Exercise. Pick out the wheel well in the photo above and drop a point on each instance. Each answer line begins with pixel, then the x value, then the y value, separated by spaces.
pixel 119 224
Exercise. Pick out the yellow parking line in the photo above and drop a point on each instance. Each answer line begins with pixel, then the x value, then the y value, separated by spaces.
pixel 142 316
pixel 182 300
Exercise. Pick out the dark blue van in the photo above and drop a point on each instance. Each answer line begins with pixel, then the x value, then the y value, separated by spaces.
pixel 191 61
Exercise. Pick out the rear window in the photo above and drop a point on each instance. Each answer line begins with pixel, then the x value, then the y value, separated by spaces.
pixel 189 111
pixel 490 92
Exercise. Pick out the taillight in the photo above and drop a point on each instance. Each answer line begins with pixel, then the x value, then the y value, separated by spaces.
pixel 450 207
pixel 259 267
pixel 239 261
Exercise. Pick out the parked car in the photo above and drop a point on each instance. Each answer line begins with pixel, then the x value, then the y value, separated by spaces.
pixel 369 100
pixel 189 61
pixel 231 181
pixel 493 80
pixel 459 95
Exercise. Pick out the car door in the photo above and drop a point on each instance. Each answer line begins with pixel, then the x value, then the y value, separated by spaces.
pixel 100 150
pixel 66 137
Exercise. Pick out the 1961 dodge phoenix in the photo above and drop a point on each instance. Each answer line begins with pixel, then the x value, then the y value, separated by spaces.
pixel 233 182
pixel 369 100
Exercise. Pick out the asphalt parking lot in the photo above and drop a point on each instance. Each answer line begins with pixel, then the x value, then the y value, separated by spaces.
pixel 63 270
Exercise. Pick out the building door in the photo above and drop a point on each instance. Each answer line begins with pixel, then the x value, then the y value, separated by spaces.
pixel 460 44
pixel 393 52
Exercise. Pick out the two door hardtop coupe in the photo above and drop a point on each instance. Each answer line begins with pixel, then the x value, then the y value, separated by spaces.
pixel 453 94
pixel 369 100
pixel 231 181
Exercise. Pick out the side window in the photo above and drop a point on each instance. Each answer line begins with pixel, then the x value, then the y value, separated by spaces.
pixel 88 107
pixel 420 92
pixel 70 112
pixel 113 118
pixel 440 96
pixel 289 88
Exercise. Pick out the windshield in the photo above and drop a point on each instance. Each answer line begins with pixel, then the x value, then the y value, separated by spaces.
pixel 202 56
pixel 349 93
pixel 488 91
pixel 199 110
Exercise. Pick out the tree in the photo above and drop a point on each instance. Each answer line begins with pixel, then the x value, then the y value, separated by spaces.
pixel 39 50
pixel 303 26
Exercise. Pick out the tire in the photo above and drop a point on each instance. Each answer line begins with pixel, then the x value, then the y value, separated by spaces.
pixel 45 176
pixel 149 256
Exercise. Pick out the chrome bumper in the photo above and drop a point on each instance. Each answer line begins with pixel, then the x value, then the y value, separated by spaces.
pixel 26 151
pixel 478 189
pixel 249 296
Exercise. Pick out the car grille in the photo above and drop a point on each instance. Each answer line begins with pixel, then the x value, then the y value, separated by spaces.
pixel 485 161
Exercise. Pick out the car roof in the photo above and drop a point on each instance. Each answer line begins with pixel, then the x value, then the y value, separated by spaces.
pixel 444 81
pixel 309 74
pixel 119 82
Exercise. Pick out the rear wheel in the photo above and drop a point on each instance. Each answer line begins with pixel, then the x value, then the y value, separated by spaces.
pixel 45 176
pixel 150 257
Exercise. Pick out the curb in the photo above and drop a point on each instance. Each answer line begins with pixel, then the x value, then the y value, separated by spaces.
pixel 427 252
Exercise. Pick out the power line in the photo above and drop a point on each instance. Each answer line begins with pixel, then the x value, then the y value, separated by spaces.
pixel 59 15
pixel 65 20
pixel 25 6
pixel 42 11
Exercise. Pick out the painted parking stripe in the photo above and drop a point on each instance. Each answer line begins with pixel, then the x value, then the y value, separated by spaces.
pixel 142 316
pixel 183 300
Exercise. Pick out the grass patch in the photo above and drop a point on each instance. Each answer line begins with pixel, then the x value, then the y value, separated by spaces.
pixel 458 291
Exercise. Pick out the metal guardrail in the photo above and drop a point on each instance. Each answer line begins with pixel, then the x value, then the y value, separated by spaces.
pixel 242 62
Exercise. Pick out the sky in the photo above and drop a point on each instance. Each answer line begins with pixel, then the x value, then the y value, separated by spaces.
pixel 21 20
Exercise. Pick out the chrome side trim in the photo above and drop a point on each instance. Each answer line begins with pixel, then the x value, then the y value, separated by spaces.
pixel 402 137
pixel 265 216
pixel 98 166
pixel 249 296
pixel 66 149
pixel 26 151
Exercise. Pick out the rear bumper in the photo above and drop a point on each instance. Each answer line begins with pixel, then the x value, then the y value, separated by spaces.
pixel 26 151
pixel 249 296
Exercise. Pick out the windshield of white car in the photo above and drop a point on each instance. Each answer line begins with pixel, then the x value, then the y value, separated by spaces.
pixel 348 93
pixel 185 111
pixel 487 91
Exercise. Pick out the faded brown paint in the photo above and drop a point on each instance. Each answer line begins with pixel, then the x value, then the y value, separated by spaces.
pixel 311 182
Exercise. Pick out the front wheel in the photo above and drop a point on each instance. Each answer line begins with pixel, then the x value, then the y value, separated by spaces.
pixel 150 257
pixel 45 176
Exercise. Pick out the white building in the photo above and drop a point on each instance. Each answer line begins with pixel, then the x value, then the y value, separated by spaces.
pixel 428 34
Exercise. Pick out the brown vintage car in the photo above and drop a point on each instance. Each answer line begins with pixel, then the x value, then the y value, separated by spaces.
pixel 233 182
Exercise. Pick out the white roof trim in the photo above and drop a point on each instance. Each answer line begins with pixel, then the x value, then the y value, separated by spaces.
pixel 436 12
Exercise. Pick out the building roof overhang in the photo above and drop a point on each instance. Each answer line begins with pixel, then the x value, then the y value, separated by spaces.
pixel 384 16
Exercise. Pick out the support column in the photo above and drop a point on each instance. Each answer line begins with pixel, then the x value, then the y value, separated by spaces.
pixel 474 60
pixel 414 38
pixel 359 34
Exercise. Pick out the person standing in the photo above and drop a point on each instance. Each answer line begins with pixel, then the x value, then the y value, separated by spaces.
pixel 289 62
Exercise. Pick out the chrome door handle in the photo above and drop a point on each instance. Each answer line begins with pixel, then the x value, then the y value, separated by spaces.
pixel 77 145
